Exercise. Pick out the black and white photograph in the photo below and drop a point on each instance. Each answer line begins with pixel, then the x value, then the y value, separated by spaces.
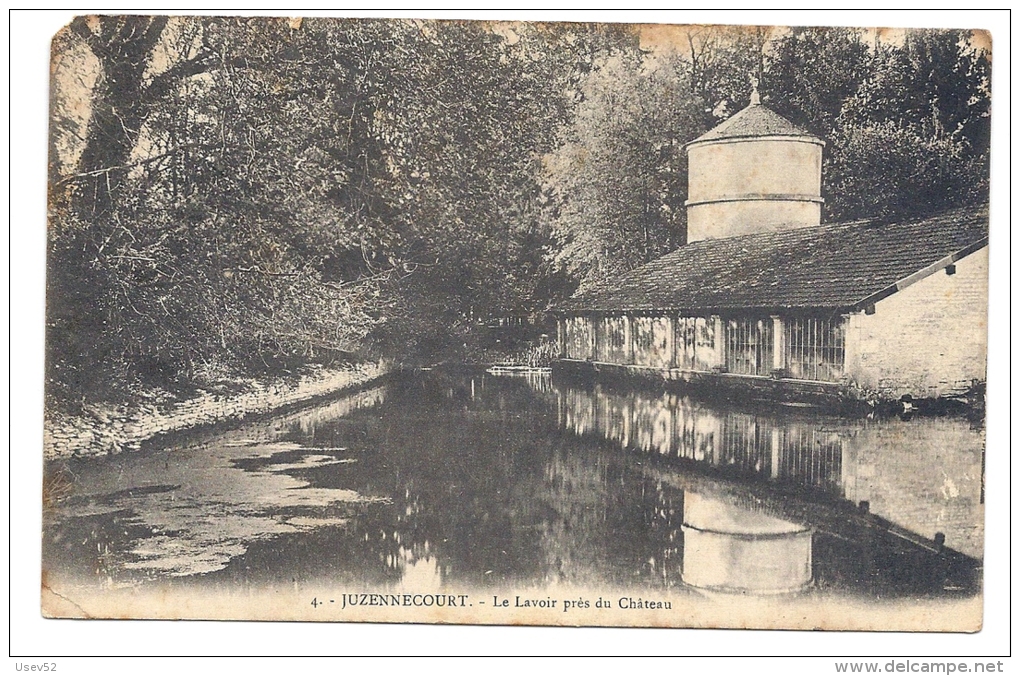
pixel 486 322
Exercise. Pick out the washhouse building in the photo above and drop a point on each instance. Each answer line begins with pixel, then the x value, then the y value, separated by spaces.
pixel 763 297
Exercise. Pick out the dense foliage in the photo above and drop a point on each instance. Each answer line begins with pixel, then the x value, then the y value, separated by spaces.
pixel 239 194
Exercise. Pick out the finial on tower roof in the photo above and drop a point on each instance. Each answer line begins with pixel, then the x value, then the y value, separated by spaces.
pixel 755 98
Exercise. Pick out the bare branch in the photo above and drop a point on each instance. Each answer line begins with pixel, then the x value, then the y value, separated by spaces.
pixel 131 165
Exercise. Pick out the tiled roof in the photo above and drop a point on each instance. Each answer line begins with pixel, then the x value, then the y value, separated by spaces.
pixel 839 266
pixel 755 120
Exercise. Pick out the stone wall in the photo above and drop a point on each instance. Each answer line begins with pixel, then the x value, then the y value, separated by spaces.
pixel 928 340
pixel 111 429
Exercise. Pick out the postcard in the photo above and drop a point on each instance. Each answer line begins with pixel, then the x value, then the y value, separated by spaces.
pixel 482 322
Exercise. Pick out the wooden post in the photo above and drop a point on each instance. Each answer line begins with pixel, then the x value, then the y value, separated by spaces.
pixel 628 343
pixel 778 344
pixel 670 342
pixel 679 341
pixel 628 411
pixel 720 341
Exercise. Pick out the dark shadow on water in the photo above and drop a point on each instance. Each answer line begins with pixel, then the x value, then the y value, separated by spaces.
pixel 461 478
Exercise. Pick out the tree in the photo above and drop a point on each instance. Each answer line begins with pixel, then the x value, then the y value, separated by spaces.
pixel 721 61
pixel 201 220
pixel 236 194
pixel 810 73
pixel 471 114
pixel 618 177
pixel 283 188
pixel 913 138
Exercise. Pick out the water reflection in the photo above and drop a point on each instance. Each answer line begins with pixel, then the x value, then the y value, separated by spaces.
pixel 731 548
pixel 471 480
pixel 924 474
pixel 190 509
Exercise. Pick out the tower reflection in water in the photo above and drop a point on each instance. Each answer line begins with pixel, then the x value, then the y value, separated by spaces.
pixel 918 482
pixel 727 547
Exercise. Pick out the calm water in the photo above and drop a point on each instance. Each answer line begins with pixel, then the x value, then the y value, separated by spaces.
pixel 477 481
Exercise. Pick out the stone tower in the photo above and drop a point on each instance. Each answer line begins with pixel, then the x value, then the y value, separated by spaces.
pixel 755 172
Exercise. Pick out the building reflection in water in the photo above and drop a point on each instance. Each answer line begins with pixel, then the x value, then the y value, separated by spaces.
pixel 921 478
pixel 807 452
pixel 726 499
pixel 468 479
pixel 923 474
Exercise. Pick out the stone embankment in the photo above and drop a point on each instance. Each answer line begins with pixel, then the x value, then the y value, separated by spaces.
pixel 112 429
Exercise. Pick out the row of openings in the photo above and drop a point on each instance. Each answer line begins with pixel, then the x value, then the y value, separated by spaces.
pixel 812 348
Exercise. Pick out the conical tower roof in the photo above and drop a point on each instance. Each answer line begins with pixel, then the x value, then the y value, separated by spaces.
pixel 755 120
